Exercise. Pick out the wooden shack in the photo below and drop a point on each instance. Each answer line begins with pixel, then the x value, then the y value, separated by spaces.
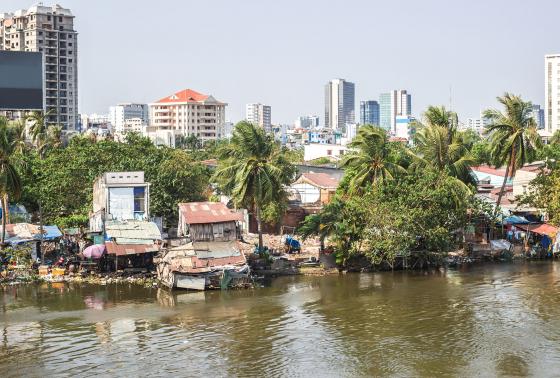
pixel 208 222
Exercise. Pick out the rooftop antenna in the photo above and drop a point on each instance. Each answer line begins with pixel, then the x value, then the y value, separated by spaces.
pixel 450 99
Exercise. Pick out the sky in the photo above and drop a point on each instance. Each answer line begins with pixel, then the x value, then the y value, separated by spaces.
pixel 282 53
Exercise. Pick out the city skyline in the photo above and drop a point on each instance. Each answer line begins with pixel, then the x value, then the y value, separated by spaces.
pixel 116 64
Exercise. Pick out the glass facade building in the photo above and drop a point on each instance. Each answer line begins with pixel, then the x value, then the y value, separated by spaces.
pixel 385 113
pixel 369 112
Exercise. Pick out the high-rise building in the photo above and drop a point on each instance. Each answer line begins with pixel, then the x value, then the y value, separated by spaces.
pixel 49 30
pixel 552 92
pixel 188 113
pixel 259 114
pixel 538 116
pixel 339 104
pixel 369 112
pixel 307 122
pixel 393 104
pixel 120 113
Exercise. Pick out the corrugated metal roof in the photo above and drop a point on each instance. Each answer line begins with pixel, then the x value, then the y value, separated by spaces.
pixel 130 249
pixel 25 232
pixel 208 212
pixel 319 179
pixel 132 232
pixel 202 257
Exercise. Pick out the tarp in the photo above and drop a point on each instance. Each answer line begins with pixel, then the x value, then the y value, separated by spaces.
pixel 51 232
pixel 500 245
pixel 95 251
pixel 516 219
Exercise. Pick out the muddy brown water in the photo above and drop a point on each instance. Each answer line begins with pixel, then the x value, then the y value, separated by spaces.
pixel 491 320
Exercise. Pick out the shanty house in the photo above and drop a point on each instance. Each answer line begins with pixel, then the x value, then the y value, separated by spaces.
pixel 314 188
pixel 119 196
pixel 208 222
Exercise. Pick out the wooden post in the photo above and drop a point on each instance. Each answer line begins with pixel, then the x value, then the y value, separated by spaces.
pixel 116 263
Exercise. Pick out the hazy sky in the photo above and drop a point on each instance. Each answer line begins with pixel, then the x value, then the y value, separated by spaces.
pixel 282 52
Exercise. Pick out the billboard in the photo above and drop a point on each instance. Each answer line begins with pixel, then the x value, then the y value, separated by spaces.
pixel 21 80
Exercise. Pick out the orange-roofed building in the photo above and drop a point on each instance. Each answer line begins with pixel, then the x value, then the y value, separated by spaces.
pixel 188 112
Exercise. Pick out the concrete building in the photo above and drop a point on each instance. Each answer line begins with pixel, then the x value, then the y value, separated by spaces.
pixel 120 113
pixel 393 104
pixel 119 196
pixel 403 127
pixel 339 104
pixel 49 30
pixel 259 114
pixel 307 122
pixel 552 92
pixel 476 124
pixel 315 188
pixel 314 151
pixel 538 116
pixel 369 112
pixel 188 113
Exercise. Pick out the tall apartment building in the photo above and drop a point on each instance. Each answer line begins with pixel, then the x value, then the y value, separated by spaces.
pixel 552 92
pixel 307 122
pixel 339 104
pixel 49 30
pixel 393 104
pixel 125 111
pixel 369 112
pixel 188 113
pixel 259 114
pixel 538 116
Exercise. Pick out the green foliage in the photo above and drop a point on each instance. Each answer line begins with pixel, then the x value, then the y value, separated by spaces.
pixel 417 212
pixel 480 152
pixel 439 146
pixel 63 180
pixel 370 160
pixel 321 161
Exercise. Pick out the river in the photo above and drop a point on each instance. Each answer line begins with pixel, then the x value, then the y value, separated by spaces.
pixel 486 320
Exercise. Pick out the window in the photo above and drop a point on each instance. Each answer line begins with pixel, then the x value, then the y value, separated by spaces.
pixel 60 18
pixel 139 200
pixel 329 152
pixel 48 18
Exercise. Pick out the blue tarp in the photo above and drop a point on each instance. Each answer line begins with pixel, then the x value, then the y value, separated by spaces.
pixel 51 232
pixel 516 219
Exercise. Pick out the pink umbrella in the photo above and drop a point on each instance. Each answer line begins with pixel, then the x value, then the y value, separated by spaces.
pixel 94 251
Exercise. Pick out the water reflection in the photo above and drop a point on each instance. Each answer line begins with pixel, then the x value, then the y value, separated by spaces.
pixel 487 320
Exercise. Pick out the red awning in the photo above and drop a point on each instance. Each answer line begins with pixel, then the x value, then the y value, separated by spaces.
pixel 541 229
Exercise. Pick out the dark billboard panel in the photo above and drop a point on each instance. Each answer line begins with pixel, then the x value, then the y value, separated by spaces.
pixel 21 80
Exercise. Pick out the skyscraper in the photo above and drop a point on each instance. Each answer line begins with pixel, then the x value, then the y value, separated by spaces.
pixel 552 92
pixel 538 116
pixel 339 104
pixel 259 114
pixel 369 112
pixel 49 30
pixel 393 104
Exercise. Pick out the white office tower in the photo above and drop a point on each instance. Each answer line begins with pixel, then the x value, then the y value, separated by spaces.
pixel 552 92
pixel 339 104
pixel 259 114
pixel 119 114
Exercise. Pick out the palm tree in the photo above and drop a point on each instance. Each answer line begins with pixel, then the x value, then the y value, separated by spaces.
pixel 440 146
pixel 323 224
pixel 43 137
pixel 439 116
pixel 253 171
pixel 10 182
pixel 512 135
pixel 369 162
